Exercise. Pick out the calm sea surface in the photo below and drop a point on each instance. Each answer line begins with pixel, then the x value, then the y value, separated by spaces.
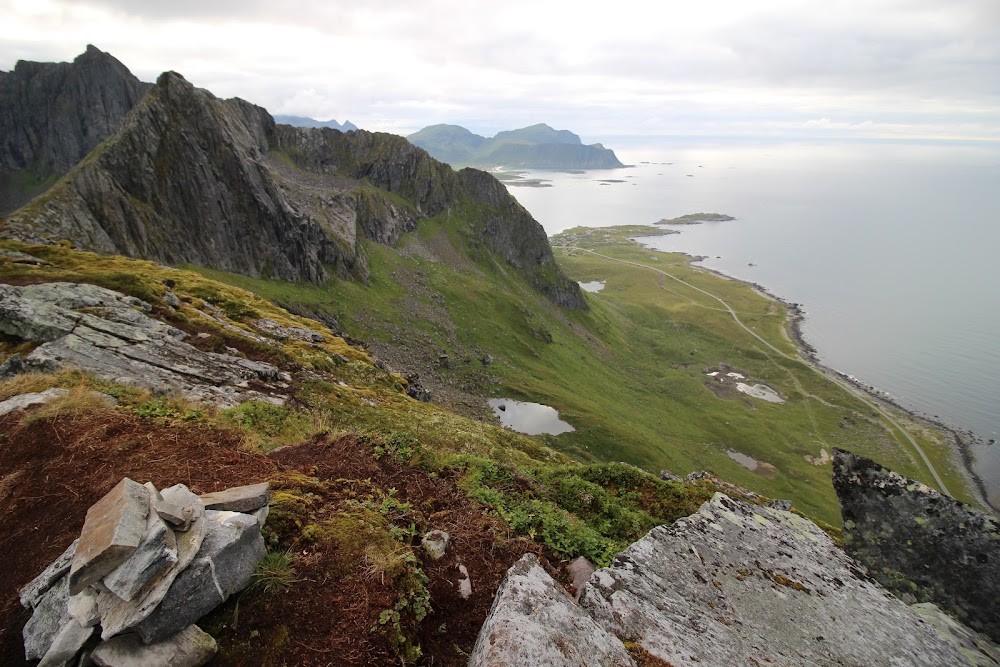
pixel 891 249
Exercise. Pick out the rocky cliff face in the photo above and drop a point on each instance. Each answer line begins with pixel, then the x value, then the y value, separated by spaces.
pixel 193 179
pixel 922 545
pixel 53 114
pixel 510 231
pixel 184 181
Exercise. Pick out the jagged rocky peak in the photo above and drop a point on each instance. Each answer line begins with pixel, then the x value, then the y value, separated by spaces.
pixel 184 181
pixel 922 545
pixel 53 114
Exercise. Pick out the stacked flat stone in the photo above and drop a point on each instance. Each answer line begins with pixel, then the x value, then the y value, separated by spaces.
pixel 148 564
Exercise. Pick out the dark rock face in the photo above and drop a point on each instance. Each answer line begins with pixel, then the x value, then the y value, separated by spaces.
pixel 511 232
pixel 920 544
pixel 184 181
pixel 53 114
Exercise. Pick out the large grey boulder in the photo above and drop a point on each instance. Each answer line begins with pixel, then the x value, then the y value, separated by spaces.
pixel 191 647
pixel 735 584
pixel 109 334
pixel 534 623
pixel 732 584
pixel 921 544
pixel 229 554
pixel 119 615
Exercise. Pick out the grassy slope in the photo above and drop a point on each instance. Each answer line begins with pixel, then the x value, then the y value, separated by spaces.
pixel 629 374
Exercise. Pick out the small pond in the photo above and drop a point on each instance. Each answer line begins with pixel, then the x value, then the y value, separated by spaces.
pixel 752 464
pixel 593 286
pixel 529 418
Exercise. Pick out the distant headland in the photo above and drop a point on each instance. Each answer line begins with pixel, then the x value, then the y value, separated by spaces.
pixel 535 147
pixel 695 219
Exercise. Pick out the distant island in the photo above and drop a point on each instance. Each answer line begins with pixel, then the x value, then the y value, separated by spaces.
pixel 535 147
pixel 695 218
pixel 302 121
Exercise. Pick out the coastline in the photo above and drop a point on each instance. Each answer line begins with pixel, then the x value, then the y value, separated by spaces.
pixel 796 316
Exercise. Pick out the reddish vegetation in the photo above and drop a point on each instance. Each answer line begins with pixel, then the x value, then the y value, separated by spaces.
pixel 51 471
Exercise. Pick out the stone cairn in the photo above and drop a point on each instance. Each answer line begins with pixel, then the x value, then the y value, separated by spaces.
pixel 147 565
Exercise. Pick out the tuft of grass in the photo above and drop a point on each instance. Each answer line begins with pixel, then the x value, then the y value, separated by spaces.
pixel 267 426
pixel 81 401
pixel 274 573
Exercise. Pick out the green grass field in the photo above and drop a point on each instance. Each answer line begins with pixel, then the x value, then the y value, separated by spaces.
pixel 630 374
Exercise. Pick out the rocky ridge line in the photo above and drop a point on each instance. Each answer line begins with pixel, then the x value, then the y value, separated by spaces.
pixel 190 178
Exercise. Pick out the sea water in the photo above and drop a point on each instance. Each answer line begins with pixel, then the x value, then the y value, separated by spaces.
pixel 890 248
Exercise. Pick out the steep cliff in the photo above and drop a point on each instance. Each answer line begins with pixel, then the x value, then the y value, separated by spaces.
pixel 392 164
pixel 53 114
pixel 920 544
pixel 184 181
pixel 510 231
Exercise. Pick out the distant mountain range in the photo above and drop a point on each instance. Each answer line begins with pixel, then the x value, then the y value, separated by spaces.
pixel 534 147
pixel 302 121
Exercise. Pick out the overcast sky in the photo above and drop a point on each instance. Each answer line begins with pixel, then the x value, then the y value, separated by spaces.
pixel 748 68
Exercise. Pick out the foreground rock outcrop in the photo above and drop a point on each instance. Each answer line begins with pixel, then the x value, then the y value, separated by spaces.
pixel 148 564
pixel 922 545
pixel 112 335
pixel 733 584
pixel 53 114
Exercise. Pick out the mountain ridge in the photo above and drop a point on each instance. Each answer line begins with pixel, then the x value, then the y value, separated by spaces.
pixel 190 178
pixel 53 114
pixel 305 121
